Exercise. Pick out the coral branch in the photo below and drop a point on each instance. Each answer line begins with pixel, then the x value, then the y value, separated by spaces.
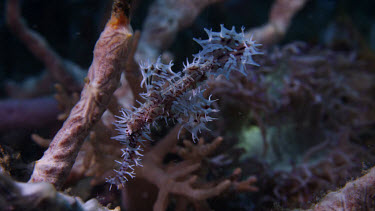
pixel 40 48
pixel 133 74
pixel 280 18
pixel 165 19
pixel 185 180
pixel 28 113
pixel 41 196
pixel 103 78
pixel 356 195
pixel 195 153
pixel 245 185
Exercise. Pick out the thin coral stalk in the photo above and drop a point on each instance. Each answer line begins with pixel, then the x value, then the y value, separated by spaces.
pixel 102 80
pixel 163 22
pixel 39 47
pixel 280 18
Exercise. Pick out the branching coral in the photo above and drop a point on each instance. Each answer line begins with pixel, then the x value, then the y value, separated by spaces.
pixel 216 189
pixel 312 90
pixel 181 179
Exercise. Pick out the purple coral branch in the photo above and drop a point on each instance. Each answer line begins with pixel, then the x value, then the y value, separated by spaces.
pixel 27 113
